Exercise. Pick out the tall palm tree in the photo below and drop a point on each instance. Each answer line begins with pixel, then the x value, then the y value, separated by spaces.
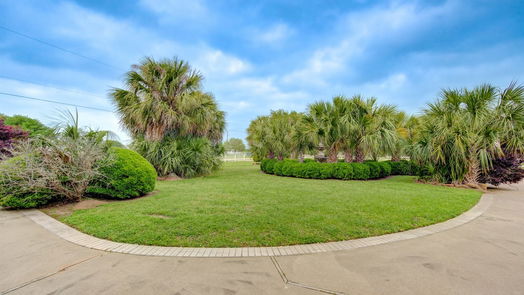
pixel 371 127
pixel 462 138
pixel 164 98
pixel 324 118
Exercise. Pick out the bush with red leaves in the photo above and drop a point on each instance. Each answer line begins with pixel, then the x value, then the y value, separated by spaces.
pixel 8 135
pixel 507 169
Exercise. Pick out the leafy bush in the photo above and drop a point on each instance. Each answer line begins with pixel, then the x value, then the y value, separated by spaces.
pixel 277 168
pixel 504 170
pixel 8 136
pixel 361 171
pixel 343 171
pixel 288 168
pixel 182 156
pixel 374 169
pixel 311 170
pixel 24 196
pixel 402 167
pixel 30 125
pixel 59 167
pixel 385 169
pixel 338 170
pixel 128 175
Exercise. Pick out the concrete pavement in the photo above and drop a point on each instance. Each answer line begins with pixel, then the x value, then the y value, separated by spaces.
pixel 484 256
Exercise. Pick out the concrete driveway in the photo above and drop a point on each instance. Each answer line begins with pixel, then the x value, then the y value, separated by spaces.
pixel 484 256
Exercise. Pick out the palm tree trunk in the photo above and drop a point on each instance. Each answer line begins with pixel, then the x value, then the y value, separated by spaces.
pixel 301 157
pixel 332 155
pixel 271 155
pixel 348 156
pixel 280 157
pixel 359 155
pixel 473 173
pixel 395 158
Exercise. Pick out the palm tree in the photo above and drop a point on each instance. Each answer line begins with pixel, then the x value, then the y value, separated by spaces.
pixel 164 98
pixel 371 127
pixel 326 121
pixel 460 137
pixel 174 124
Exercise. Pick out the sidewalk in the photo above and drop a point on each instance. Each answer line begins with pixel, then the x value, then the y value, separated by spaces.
pixel 484 256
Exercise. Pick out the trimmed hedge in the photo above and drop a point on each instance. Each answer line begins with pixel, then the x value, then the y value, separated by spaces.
pixel 129 176
pixel 340 170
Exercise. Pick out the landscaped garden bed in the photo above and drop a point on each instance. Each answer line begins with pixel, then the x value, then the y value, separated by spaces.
pixel 241 206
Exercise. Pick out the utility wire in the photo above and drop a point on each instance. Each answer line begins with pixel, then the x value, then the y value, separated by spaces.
pixel 54 101
pixel 58 47
pixel 53 87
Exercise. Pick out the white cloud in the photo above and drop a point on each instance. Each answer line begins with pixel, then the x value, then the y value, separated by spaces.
pixel 215 62
pixel 173 11
pixel 274 34
pixel 357 32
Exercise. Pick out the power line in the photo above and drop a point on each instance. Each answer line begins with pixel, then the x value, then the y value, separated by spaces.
pixel 58 47
pixel 54 87
pixel 54 101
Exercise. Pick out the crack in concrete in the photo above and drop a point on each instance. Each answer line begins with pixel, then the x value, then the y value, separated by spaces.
pixel 297 284
pixel 48 275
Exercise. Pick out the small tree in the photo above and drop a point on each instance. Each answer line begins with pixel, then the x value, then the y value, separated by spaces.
pixel 8 136
pixel 235 145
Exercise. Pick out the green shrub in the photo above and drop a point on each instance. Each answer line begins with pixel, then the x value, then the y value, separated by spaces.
pixel 343 171
pixel 402 167
pixel 326 170
pixel 288 168
pixel 128 175
pixel 309 161
pixel 385 169
pixel 360 171
pixel 311 170
pixel 25 201
pixel 277 168
pixel 374 169
pixel 182 156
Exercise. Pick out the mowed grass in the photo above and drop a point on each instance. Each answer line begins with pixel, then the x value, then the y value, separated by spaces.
pixel 241 206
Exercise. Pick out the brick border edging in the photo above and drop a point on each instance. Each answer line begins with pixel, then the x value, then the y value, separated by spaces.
pixel 74 236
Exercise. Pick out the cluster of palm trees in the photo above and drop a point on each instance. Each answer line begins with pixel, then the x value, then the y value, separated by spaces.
pixel 175 125
pixel 464 131
pixel 356 127
pixel 456 138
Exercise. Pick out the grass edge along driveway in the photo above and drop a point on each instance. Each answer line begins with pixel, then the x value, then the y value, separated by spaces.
pixel 240 206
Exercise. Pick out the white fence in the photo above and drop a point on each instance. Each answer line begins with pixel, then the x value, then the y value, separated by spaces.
pixel 237 156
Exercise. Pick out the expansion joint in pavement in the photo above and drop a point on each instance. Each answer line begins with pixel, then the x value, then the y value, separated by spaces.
pixel 300 285
pixel 48 275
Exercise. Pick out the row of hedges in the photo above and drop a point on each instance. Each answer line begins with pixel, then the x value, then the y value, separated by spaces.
pixel 340 170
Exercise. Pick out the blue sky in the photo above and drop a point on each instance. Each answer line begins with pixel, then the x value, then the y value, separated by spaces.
pixel 258 56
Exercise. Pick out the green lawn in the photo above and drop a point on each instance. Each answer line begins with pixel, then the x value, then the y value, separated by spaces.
pixel 241 206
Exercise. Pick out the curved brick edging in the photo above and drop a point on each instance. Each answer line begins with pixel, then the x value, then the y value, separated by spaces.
pixel 74 236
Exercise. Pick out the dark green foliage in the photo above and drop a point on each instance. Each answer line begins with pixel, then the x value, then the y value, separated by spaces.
pixel 342 171
pixel 128 175
pixel 326 170
pixel 267 165
pixel 311 170
pixel 30 200
pixel 400 167
pixel 277 168
pixel 288 168
pixel 361 171
pixel 385 169
pixel 374 169
pixel 183 156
